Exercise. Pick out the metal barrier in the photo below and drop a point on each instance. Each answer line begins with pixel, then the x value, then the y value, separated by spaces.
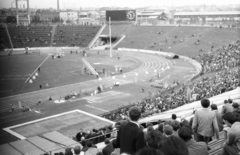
pixel 99 139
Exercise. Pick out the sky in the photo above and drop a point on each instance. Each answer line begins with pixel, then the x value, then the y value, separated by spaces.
pixel 118 3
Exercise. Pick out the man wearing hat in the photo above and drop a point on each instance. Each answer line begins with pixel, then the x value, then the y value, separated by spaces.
pixel 232 146
pixel 236 109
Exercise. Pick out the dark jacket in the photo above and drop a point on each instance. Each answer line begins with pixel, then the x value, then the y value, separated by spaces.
pixel 130 138
pixel 236 113
pixel 107 150
pixel 79 136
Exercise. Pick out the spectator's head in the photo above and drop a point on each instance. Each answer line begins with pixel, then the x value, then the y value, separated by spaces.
pixel 154 138
pixel 235 106
pixel 185 133
pixel 81 130
pixel 160 121
pixel 68 151
pixel 230 101
pixel 89 144
pixel 149 124
pixel 94 130
pixel 107 141
pixel 205 103
pixel 83 143
pixel 77 150
pixel 134 113
pixel 174 145
pixel 150 128
pixel 168 130
pixel 214 107
pixel 160 127
pixel 149 151
pixel 175 125
pixel 225 101
pixel 229 118
pixel 117 125
pixel 82 138
pixel 174 116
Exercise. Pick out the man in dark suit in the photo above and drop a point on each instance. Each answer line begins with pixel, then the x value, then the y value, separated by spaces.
pixel 130 137
pixel 108 149
pixel 79 135
pixel 218 117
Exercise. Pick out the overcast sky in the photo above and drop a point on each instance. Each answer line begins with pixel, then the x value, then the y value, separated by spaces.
pixel 119 3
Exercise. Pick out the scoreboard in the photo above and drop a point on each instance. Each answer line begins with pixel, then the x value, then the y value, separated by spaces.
pixel 121 15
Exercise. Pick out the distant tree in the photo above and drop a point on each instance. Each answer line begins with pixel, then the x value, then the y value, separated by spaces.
pixel 56 20
pixel 3 12
pixel 38 11
pixel 11 19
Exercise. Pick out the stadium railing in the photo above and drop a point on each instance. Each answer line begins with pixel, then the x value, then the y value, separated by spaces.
pixel 99 139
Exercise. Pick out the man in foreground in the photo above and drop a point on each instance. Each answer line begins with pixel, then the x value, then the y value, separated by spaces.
pixel 130 137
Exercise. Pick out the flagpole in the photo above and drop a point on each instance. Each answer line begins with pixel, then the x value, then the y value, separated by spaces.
pixel 110 37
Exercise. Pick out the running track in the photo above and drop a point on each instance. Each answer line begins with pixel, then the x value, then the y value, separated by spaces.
pixel 149 63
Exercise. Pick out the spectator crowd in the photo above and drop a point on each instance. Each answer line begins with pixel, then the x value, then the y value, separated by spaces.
pixel 171 137
pixel 216 80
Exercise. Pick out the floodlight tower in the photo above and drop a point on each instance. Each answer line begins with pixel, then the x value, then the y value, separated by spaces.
pixel 58 8
pixel 28 13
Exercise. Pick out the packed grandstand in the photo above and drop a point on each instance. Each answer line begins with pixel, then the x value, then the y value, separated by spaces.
pixel 216 49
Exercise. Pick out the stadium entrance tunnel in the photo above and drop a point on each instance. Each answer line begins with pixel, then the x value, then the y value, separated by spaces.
pixel 105 39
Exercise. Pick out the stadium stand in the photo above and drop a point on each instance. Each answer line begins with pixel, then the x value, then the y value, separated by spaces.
pixel 33 36
pixel 216 145
pixel 206 86
pixel 220 79
pixel 221 68
pixel 172 38
pixel 225 57
pixel 4 41
pixel 74 35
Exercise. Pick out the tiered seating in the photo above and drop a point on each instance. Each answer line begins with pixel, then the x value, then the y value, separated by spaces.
pixel 118 30
pixel 217 145
pixel 34 36
pixel 180 40
pixel 74 35
pixel 4 41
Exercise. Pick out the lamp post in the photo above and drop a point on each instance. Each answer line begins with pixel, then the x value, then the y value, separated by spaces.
pixel 238 69
pixel 110 38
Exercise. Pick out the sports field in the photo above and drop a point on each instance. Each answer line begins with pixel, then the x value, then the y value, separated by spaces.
pixel 64 75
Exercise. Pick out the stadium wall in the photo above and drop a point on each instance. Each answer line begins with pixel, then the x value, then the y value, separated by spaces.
pixel 48 50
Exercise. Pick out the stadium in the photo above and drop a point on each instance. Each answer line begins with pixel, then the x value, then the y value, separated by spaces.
pixel 57 79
